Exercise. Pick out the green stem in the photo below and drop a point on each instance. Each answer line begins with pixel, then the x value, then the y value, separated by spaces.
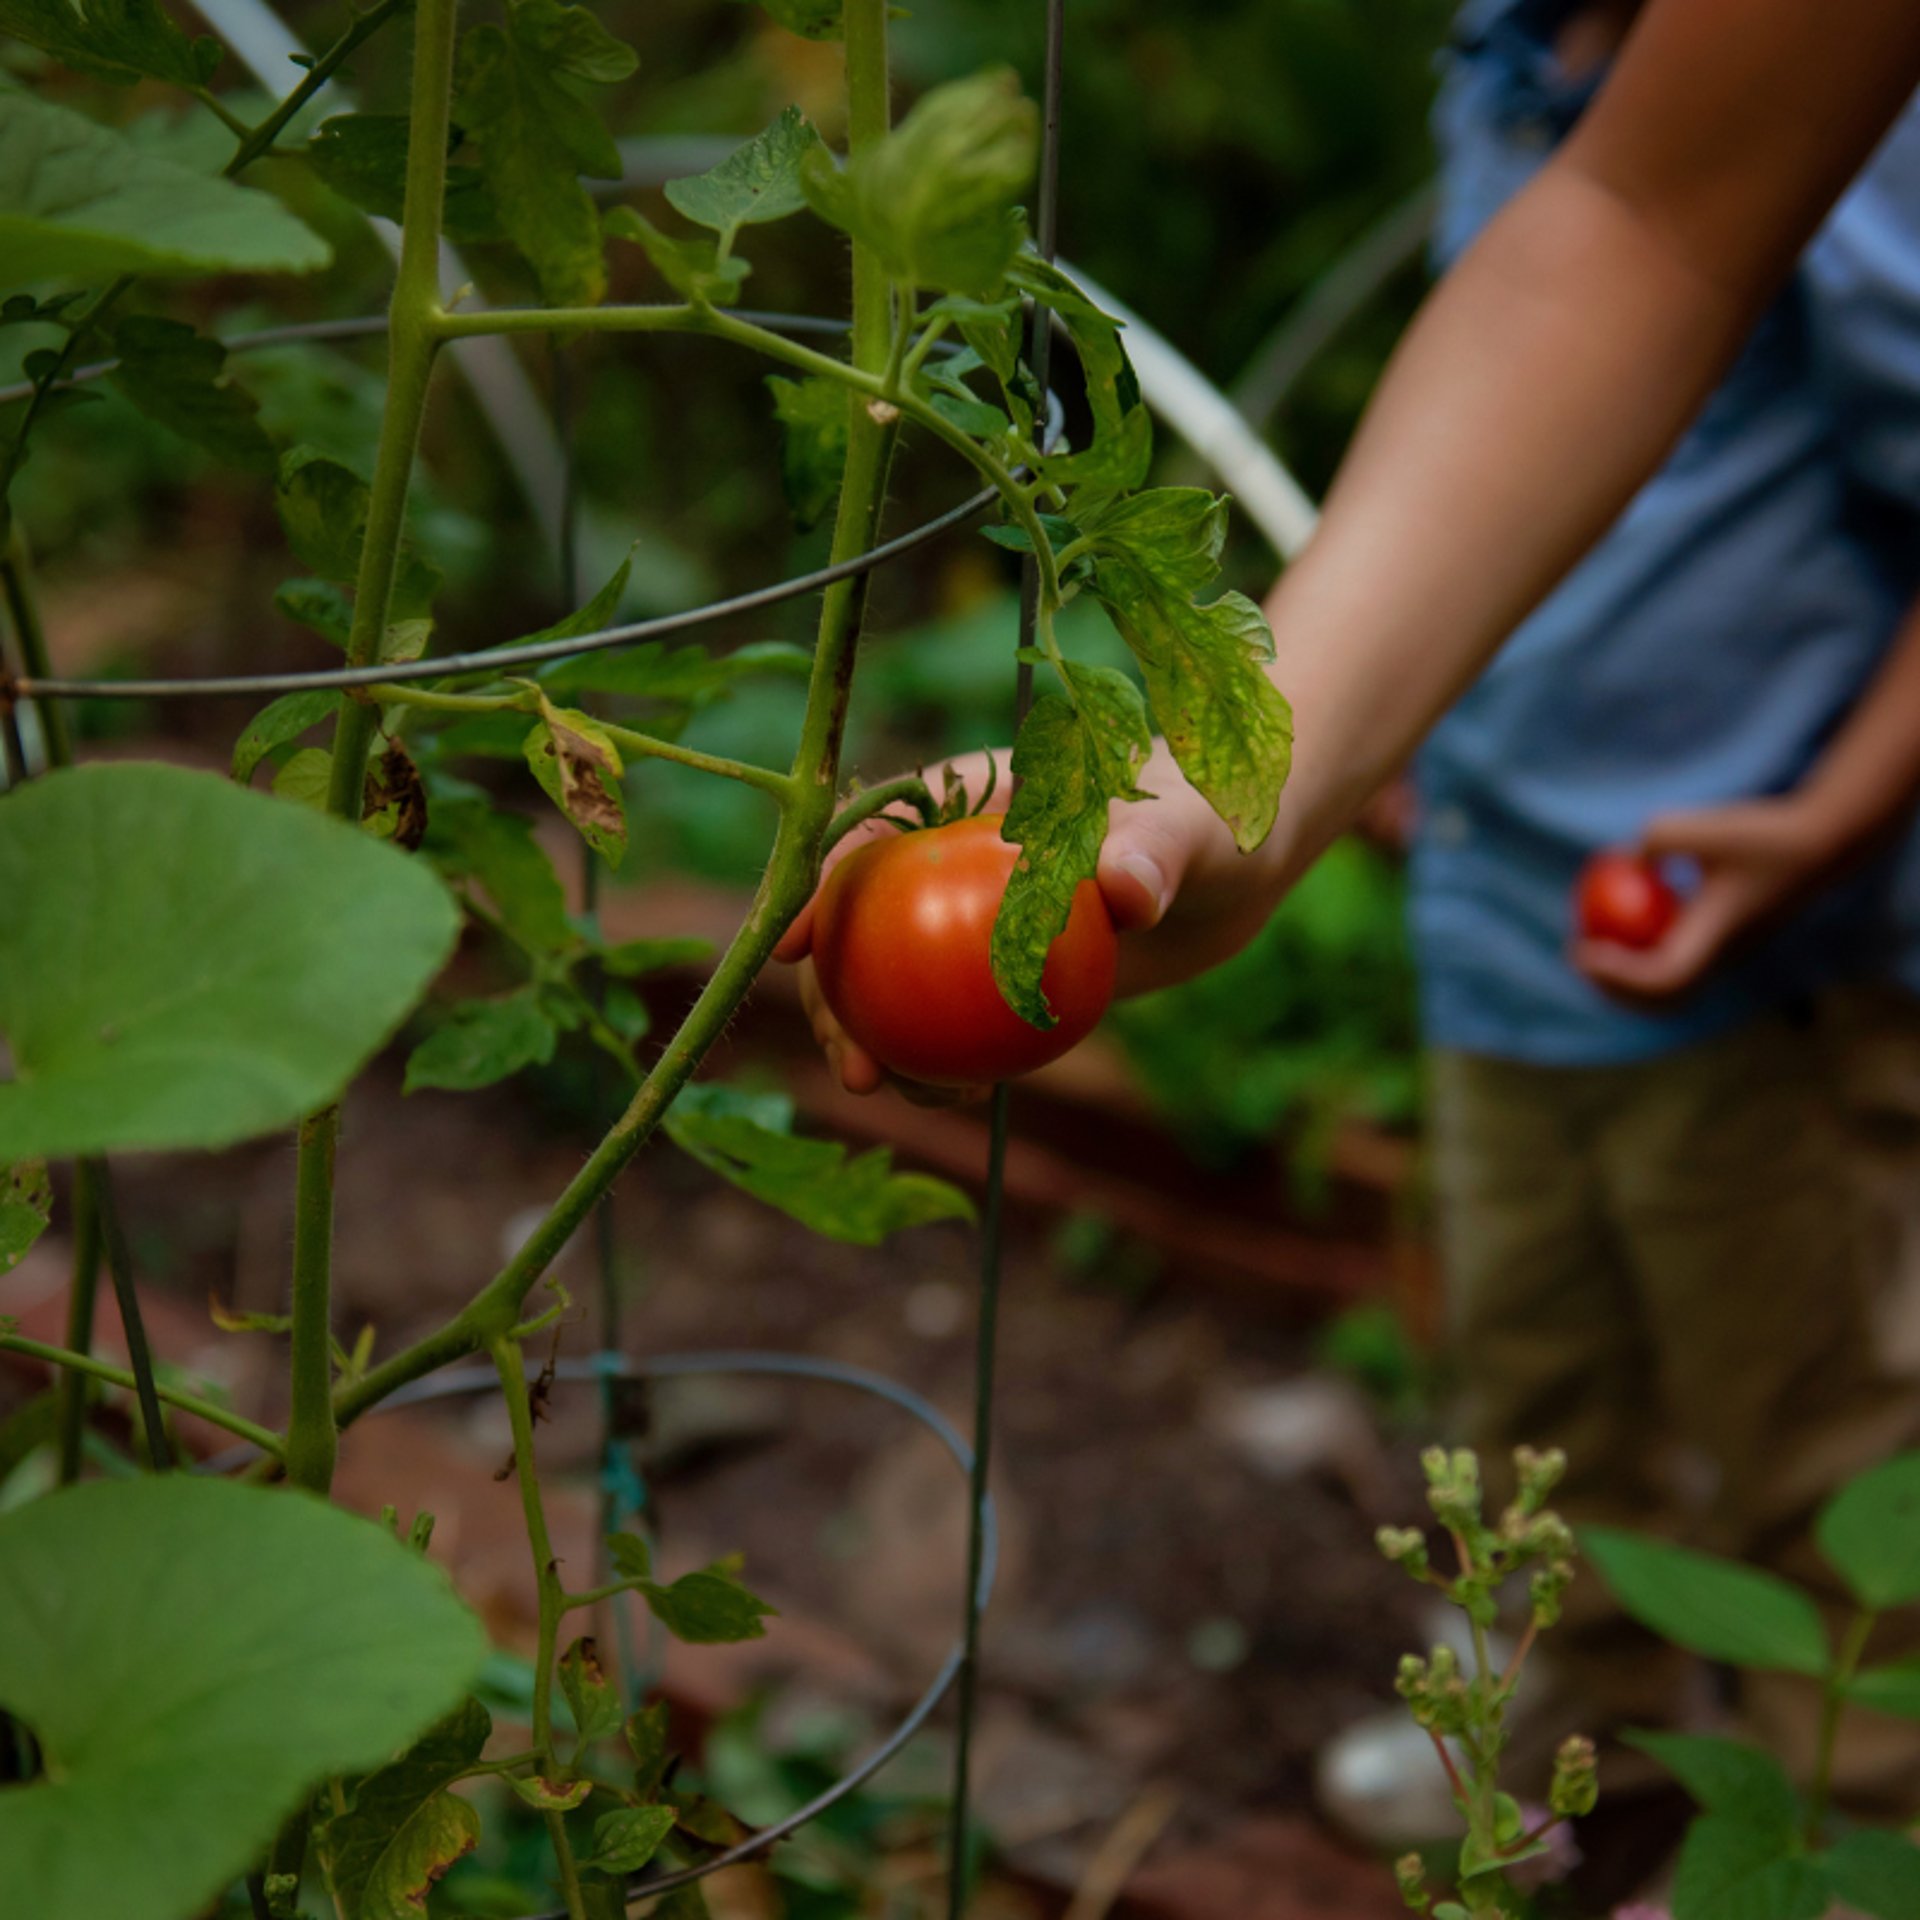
pixel 312 1442
pixel 570 1893
pixel 80 1308
pixel 260 140
pixel 872 800
pixel 94 1368
pixel 1846 1663
pixel 793 866
pixel 23 609
pixel 223 113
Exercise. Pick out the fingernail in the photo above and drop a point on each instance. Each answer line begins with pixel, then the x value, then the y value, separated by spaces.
pixel 1142 869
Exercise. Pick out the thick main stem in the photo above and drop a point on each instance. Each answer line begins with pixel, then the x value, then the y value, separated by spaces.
pixel 312 1439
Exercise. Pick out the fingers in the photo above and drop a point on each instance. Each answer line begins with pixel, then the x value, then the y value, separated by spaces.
pixel 1691 947
pixel 1142 865
pixel 797 942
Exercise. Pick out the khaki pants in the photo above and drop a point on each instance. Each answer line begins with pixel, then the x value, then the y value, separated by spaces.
pixel 1672 1270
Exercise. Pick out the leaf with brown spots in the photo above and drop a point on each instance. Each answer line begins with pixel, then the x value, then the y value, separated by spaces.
pixel 579 770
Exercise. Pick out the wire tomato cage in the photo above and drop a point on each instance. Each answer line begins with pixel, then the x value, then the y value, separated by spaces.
pixel 608 1369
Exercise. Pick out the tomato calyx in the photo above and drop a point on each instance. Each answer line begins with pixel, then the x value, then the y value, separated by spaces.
pixel 864 804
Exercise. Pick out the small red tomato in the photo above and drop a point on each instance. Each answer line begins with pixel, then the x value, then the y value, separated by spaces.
pixel 901 939
pixel 1625 899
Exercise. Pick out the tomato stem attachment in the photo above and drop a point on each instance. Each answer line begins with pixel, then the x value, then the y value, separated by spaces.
pixel 870 801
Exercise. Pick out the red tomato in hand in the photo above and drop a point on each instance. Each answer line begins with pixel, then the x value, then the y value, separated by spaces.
pixel 901 939
pixel 1626 900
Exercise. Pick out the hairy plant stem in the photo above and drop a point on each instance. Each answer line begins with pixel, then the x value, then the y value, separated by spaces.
pixel 552 1597
pixel 312 1440
pixel 793 866
pixel 1846 1663
pixel 875 800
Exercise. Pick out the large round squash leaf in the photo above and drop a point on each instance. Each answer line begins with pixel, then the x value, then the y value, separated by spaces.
pixel 194 1657
pixel 186 964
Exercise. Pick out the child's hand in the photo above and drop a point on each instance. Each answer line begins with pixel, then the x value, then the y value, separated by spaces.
pixel 1755 859
pixel 1173 882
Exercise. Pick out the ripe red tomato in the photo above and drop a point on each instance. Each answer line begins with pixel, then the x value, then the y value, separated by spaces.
pixel 1625 899
pixel 901 937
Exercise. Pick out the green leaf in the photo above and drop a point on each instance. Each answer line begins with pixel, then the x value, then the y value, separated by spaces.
pixel 647 1741
pixel 115 40
pixel 708 1608
pixel 26 1205
pixel 1070 762
pixel 1122 444
pixel 323 506
pixel 592 1696
pixel 403 1830
pixel 632 958
pixel 79 202
pixel 756 183
pixel 631 1557
pixel 196 969
pixel 550 1796
pixel 273 726
pixel 1877 1873
pixel 469 839
pixel 694 269
pixel 1476 1861
pixel 1894 1688
pixel 1728 1778
pixel 687 676
pixel 1870 1533
pixel 813 443
pixel 594 617
pixel 518 92
pixel 306 779
pixel 194 1657
pixel 177 377
pixel 937 198
pixel 814 19
pixel 1730 1871
pixel 1229 726
pixel 363 158
pixel 625 1841
pixel 481 1042
pixel 318 604
pixel 861 1200
pixel 579 769
pixel 1711 1607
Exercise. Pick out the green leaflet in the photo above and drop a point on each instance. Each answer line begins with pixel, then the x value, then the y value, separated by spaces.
pixel 113 40
pixel 684 677
pixel 937 199
pixel 745 1139
pixel 1870 1533
pixel 579 769
pixel 80 202
pixel 481 1042
pixel 178 377
pixel 323 507
pixel 518 93
pixel 363 158
pixel 26 1204
pixel 273 726
pixel 812 19
pixel 623 1842
pixel 756 183
pixel 1072 761
pixel 813 443
pixel 469 839
pixel 694 269
pixel 1229 727
pixel 594 1699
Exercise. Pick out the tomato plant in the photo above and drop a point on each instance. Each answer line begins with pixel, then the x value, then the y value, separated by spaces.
pixel 903 939
pixel 186 963
pixel 1625 898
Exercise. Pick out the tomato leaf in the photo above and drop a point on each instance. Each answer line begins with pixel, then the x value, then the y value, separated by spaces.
pixel 1228 725
pixel 1728 1778
pixel 196 969
pixel 323 508
pixel 1712 1607
pixel 579 769
pixel 481 1042
pixel 114 40
pixel 550 1796
pixel 519 93
pixel 693 268
pixel 745 1139
pixel 319 604
pixel 26 1205
pixel 1731 1871
pixel 1121 448
pixel 194 1658
pixel 1877 1873
pixel 708 1608
pixel 1894 1688
pixel 646 1733
pixel 937 198
pixel 306 778
pixel 178 377
pixel 363 158
pixel 623 1842
pixel 78 201
pixel 813 443
pixel 403 1830
pixel 273 726
pixel 813 19
pixel 634 957
pixel 592 1696
pixel 756 183
pixel 470 840
pixel 686 677
pixel 1071 762
pixel 1870 1533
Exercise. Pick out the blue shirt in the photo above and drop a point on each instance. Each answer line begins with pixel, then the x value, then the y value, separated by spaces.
pixel 1704 651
